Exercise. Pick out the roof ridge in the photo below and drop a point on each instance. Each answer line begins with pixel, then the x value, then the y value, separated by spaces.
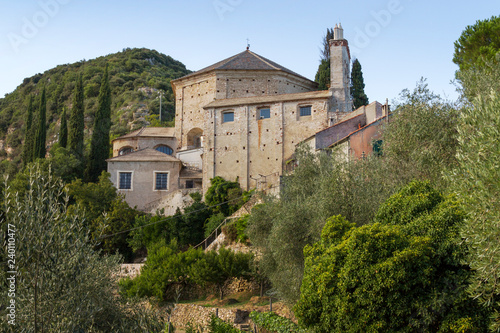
pixel 140 131
pixel 264 60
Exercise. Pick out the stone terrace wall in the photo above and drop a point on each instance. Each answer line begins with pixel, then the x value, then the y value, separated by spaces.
pixel 199 315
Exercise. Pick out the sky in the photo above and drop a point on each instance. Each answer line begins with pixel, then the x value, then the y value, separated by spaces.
pixel 396 41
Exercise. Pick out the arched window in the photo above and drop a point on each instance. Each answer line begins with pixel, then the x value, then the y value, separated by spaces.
pixel 125 150
pixel 165 149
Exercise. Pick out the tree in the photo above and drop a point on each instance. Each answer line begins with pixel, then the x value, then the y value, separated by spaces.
pixel 99 144
pixel 478 44
pixel 76 121
pixel 63 131
pixel 321 185
pixel 476 181
pixel 403 273
pixel 223 195
pixel 62 284
pixel 323 74
pixel 217 267
pixel 358 95
pixel 41 131
pixel 420 140
pixel 28 134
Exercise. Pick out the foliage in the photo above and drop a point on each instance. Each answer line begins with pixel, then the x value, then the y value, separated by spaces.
pixel 274 323
pixel 190 229
pixel 420 140
pixel 129 71
pixel 165 268
pixel 358 95
pixel 236 230
pixel 213 222
pixel 321 185
pixel 218 325
pixel 186 229
pixel 41 129
pixel 217 267
pixel 28 134
pixel 404 273
pixel 479 82
pixel 58 271
pixel 476 181
pixel 63 130
pixel 60 163
pixel 223 195
pixel 478 44
pixel 149 230
pixel 106 212
pixel 323 74
pixel 93 198
pixel 115 222
pixel 76 121
pixel 99 144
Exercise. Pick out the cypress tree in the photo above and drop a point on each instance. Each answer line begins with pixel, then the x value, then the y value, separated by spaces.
pixel 28 135
pixel 63 130
pixel 76 121
pixel 99 144
pixel 358 95
pixel 323 74
pixel 41 131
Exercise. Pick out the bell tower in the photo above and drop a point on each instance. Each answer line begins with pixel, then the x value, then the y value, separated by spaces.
pixel 340 76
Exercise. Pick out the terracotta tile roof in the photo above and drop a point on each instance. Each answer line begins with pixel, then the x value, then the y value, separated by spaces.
pixel 269 99
pixel 246 60
pixel 150 132
pixel 144 155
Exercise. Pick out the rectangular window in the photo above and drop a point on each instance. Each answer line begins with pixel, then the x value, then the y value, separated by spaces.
pixel 161 181
pixel 227 117
pixel 305 111
pixel 189 183
pixel 125 181
pixel 264 113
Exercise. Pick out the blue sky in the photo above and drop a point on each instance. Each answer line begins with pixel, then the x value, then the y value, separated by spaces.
pixel 396 41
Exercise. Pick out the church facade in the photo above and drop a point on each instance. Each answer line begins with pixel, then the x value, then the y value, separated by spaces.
pixel 242 118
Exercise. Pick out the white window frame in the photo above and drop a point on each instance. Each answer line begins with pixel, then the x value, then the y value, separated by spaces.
pixel 154 180
pixel 131 180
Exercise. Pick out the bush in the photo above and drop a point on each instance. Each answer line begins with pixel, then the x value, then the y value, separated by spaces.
pixel 213 222
pixel 236 230
pixel 404 273
pixel 218 325
pixel 274 323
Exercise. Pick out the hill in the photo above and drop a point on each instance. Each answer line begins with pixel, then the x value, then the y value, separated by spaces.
pixel 136 76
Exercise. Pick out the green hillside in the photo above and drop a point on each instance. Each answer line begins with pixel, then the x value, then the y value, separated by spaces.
pixel 136 76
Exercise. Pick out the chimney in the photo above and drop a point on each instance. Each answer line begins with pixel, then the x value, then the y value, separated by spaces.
pixel 338 32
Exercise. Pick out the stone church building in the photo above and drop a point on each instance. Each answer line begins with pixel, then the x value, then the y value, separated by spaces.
pixel 240 118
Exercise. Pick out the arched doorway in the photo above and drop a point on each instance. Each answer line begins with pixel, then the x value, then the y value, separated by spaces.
pixel 195 138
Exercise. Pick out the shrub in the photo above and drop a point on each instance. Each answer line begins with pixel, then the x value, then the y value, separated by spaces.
pixel 274 323
pixel 218 325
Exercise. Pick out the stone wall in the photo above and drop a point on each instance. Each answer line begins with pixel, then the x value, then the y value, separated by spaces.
pixel 252 149
pixel 169 203
pixel 183 314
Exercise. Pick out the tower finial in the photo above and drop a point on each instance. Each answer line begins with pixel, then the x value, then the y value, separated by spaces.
pixel 248 44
